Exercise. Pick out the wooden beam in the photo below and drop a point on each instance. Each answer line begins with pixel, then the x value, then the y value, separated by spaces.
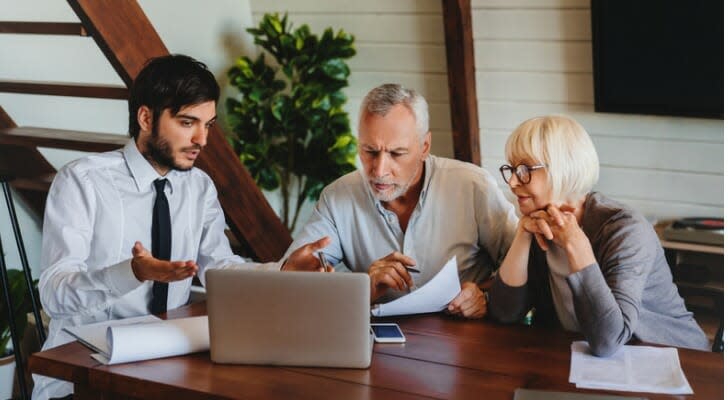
pixel 127 38
pixel 123 33
pixel 24 163
pixel 39 184
pixel 65 89
pixel 43 28
pixel 461 79
pixel 62 139
pixel 5 120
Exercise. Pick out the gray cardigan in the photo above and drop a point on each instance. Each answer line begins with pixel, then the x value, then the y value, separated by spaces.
pixel 628 293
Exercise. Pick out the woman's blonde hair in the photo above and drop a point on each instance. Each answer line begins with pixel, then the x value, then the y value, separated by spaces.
pixel 562 144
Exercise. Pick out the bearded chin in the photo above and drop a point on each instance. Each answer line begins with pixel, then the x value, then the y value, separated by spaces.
pixel 397 192
pixel 160 152
pixel 393 194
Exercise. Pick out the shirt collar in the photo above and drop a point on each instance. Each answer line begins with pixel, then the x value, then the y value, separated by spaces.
pixel 143 172
pixel 429 164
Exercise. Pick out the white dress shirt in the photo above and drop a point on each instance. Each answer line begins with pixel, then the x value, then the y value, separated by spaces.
pixel 97 207
pixel 461 212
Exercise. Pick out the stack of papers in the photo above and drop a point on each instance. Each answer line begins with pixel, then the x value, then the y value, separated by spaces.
pixel 143 338
pixel 630 369
pixel 433 296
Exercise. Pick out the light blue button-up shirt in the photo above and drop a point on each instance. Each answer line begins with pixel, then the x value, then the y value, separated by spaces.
pixel 461 212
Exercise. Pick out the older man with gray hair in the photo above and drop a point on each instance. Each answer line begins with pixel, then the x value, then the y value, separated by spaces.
pixel 406 208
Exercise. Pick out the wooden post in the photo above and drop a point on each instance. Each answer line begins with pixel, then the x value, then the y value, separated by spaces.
pixel 461 79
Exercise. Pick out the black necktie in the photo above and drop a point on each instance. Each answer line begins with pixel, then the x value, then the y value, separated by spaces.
pixel 161 244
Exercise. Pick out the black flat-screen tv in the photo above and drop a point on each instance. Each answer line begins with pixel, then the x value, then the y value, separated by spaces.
pixel 660 57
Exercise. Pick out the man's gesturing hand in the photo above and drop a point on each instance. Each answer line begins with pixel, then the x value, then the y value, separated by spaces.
pixel 305 257
pixel 148 268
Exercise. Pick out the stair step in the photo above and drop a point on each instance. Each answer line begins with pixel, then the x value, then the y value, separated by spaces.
pixel 62 139
pixel 43 28
pixel 38 184
pixel 65 89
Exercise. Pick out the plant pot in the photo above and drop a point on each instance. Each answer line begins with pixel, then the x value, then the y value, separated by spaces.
pixel 7 376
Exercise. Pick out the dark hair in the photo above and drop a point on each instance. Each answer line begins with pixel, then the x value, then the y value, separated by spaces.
pixel 170 82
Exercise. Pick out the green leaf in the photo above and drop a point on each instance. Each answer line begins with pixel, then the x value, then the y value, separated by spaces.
pixel 336 69
pixel 276 107
pixel 268 179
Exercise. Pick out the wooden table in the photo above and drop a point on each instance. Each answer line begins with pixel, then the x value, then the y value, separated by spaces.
pixel 444 357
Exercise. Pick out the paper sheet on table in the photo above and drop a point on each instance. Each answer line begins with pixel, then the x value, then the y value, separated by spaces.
pixel 93 335
pixel 630 369
pixel 138 339
pixel 168 338
pixel 433 296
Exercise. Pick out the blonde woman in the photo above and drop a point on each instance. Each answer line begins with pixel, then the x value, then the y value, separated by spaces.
pixel 580 259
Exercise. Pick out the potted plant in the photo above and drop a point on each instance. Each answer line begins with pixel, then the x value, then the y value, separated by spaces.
pixel 288 124
pixel 22 306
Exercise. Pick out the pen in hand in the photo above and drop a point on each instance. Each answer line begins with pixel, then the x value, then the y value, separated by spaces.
pixel 322 260
pixel 411 270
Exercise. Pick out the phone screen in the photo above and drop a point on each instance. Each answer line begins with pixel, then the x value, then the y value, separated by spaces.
pixel 386 331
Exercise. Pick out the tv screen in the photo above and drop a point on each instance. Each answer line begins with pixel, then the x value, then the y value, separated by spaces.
pixel 658 57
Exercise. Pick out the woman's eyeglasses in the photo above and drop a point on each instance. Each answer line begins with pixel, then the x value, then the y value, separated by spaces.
pixel 523 172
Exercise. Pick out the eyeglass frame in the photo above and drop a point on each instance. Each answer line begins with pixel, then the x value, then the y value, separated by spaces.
pixel 514 171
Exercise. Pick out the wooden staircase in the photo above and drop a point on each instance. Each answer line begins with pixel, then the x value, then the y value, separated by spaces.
pixel 126 37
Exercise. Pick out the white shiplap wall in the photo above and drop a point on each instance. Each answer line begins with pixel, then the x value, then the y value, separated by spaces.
pixel 398 41
pixel 533 57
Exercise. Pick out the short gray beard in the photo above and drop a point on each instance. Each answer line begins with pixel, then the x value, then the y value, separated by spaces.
pixel 397 192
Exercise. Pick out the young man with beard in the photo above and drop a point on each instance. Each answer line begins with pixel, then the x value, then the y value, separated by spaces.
pixel 106 210
pixel 407 208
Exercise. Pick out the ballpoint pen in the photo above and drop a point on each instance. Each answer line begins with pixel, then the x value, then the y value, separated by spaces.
pixel 412 269
pixel 322 260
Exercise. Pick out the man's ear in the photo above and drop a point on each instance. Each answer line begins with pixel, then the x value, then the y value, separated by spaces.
pixel 145 118
pixel 427 143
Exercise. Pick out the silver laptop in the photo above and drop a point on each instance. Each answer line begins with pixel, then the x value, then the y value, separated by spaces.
pixel 311 319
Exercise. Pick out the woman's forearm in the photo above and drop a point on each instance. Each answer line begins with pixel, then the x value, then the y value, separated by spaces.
pixel 514 269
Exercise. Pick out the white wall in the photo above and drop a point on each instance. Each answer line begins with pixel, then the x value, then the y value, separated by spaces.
pixel 213 32
pixel 533 57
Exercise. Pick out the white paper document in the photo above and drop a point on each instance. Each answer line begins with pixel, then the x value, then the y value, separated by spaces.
pixel 433 296
pixel 630 369
pixel 93 335
pixel 144 340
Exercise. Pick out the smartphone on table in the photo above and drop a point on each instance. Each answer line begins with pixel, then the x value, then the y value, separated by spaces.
pixel 387 333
